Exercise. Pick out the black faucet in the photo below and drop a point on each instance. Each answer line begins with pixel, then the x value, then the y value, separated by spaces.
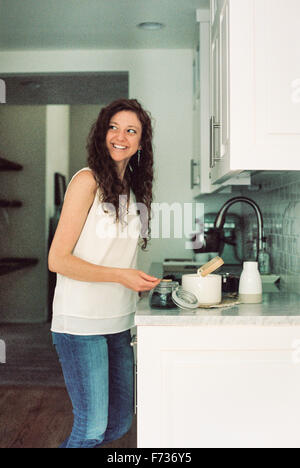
pixel 221 216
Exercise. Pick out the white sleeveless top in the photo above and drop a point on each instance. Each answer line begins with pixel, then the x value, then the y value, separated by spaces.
pixel 83 308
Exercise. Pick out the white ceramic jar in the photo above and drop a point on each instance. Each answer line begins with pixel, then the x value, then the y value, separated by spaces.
pixel 250 287
pixel 208 289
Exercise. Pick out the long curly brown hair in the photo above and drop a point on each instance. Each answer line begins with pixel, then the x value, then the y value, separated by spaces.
pixel 139 172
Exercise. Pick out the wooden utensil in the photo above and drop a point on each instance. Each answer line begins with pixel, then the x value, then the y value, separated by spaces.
pixel 211 266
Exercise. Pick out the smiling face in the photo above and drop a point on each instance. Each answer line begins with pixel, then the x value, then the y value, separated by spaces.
pixel 123 138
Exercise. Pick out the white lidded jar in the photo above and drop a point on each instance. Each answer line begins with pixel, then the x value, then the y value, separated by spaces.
pixel 250 287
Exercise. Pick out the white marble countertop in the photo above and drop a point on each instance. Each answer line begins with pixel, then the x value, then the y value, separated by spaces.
pixel 278 308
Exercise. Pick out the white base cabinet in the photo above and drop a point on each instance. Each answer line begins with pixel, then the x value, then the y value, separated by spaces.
pixel 255 86
pixel 218 387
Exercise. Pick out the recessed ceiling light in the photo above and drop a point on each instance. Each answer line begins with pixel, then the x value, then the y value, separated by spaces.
pixel 151 26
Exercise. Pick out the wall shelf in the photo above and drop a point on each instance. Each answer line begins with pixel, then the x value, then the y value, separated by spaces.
pixel 10 264
pixel 6 165
pixel 10 204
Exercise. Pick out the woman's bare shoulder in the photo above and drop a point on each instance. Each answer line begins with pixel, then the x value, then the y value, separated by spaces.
pixel 85 180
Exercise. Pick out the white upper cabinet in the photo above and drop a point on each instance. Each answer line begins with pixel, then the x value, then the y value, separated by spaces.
pixel 254 86
pixel 204 82
pixel 200 170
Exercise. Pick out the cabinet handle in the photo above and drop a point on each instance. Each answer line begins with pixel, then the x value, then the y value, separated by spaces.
pixel 193 183
pixel 133 341
pixel 213 158
pixel 211 139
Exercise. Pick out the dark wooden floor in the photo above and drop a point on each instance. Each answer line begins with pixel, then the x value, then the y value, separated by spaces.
pixel 35 409
pixel 31 359
pixel 33 417
pixel 41 418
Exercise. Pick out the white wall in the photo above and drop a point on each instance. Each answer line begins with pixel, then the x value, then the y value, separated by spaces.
pixel 162 81
pixel 81 119
pixel 57 152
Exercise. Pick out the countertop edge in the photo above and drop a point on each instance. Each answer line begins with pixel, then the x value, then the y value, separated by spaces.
pixel 218 321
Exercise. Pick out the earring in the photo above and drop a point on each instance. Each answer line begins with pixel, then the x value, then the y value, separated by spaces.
pixel 139 156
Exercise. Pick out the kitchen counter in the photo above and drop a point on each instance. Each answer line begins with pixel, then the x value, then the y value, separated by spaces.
pixel 277 308
pixel 220 378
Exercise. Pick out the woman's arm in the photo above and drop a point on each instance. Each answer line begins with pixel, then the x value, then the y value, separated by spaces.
pixel 78 201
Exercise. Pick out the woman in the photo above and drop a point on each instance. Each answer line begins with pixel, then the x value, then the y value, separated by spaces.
pixel 94 255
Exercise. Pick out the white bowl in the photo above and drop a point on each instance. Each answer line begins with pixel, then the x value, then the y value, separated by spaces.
pixel 208 290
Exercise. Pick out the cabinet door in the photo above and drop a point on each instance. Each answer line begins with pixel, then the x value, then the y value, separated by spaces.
pixel 220 105
pixel 259 62
pixel 219 153
pixel 277 84
pixel 213 11
pixel 196 161
pixel 218 387
pixel 202 113
pixel 215 8
pixel 215 148
pixel 201 171
pixel 224 82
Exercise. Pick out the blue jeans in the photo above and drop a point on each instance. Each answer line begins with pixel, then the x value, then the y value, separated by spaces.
pixel 98 372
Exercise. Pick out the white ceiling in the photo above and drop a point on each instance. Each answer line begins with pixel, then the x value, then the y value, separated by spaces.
pixel 96 24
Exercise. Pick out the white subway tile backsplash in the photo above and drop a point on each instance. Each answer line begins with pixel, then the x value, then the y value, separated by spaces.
pixel 279 201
